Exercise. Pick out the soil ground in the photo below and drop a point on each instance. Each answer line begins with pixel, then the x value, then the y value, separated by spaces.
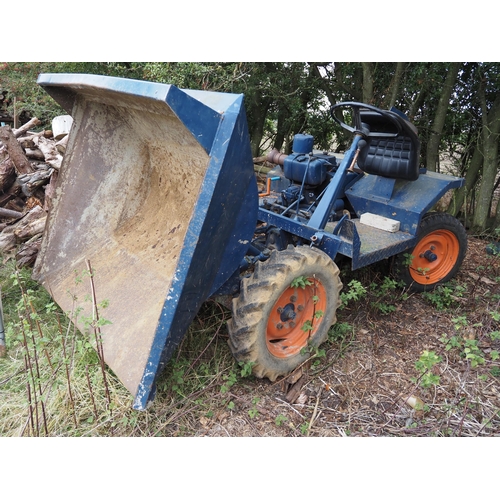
pixel 362 384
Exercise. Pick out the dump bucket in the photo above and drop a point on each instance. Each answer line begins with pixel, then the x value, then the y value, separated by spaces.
pixel 157 196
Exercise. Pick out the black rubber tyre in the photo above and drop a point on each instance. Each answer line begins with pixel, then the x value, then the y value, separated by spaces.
pixel 437 256
pixel 273 322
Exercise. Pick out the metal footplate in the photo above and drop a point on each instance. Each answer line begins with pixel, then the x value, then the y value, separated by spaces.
pixel 366 245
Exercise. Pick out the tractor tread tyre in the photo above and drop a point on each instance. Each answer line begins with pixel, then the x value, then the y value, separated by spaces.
pixel 260 295
pixel 445 236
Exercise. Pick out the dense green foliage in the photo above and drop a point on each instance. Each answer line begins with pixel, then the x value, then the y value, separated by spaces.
pixel 455 106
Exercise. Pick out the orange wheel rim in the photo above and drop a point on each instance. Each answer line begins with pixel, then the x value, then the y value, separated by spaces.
pixel 434 257
pixel 295 317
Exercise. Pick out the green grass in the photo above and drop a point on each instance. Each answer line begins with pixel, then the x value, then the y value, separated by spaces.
pixel 52 382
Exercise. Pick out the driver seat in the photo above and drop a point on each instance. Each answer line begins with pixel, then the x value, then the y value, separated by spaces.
pixel 394 157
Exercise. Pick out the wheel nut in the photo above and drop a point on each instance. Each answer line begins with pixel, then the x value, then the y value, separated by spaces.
pixel 279 326
pixel 280 310
pixel 293 298
pixel 300 308
pixel 292 324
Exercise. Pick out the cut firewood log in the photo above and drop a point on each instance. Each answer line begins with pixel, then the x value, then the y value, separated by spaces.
pixel 7 175
pixel 49 150
pixel 12 198
pixel 27 253
pixel 10 214
pixel 27 126
pixel 34 154
pixel 31 182
pixel 27 142
pixel 8 239
pixel 31 224
pixel 50 191
pixel 16 153
pixel 61 145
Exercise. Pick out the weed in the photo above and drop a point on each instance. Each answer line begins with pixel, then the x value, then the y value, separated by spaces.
pixel 246 368
pixel 301 282
pixel 339 331
pixel 495 315
pixel 385 308
pixel 468 348
pixel 280 420
pixel 459 322
pixel 495 335
pixel 408 259
pixel 472 352
pixel 444 296
pixel 254 411
pixel 307 326
pixel 229 381
pixel 355 292
pixel 451 342
pixel 425 365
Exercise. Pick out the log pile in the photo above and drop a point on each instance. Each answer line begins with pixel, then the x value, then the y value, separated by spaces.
pixel 29 165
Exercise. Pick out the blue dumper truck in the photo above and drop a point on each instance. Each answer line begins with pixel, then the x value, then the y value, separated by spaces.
pixel 158 196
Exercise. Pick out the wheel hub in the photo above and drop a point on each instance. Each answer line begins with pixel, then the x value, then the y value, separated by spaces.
pixel 287 313
pixel 294 318
pixel 434 257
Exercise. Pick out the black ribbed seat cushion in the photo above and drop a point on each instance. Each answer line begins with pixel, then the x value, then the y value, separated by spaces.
pixel 397 158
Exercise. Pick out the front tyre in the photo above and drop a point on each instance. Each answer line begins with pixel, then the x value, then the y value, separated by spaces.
pixel 287 304
pixel 437 256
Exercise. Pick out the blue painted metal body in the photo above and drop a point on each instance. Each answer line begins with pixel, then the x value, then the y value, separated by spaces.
pixel 396 199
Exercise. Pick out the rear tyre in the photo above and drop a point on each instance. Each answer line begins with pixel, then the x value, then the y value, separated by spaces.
pixel 437 256
pixel 287 304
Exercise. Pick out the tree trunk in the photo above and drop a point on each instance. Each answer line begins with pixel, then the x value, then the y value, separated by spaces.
pixel 471 176
pixel 490 136
pixel 280 131
pixel 432 160
pixel 396 81
pixel 257 130
pixel 367 82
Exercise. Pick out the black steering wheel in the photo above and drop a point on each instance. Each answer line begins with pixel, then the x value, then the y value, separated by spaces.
pixel 358 128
